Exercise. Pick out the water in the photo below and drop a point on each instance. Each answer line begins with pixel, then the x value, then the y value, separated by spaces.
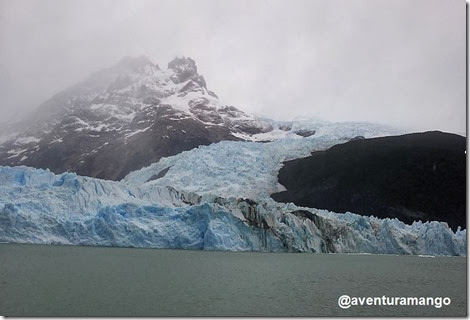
pixel 46 280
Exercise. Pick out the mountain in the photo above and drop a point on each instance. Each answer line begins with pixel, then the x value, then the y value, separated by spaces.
pixel 411 177
pixel 124 118
pixel 192 172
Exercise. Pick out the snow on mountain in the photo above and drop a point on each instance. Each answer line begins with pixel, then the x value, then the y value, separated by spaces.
pixel 37 206
pixel 124 118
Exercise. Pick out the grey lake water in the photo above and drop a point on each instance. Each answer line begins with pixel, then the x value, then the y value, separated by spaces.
pixel 47 280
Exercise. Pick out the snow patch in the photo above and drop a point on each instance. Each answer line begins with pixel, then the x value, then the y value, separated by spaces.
pixel 57 141
pixel 15 152
pixel 26 140
pixel 137 132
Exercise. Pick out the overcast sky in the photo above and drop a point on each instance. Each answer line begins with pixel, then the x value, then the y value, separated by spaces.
pixel 399 62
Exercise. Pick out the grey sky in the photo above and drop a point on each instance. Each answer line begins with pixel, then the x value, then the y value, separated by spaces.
pixel 400 62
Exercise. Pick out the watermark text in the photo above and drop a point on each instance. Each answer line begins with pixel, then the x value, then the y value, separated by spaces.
pixel 346 301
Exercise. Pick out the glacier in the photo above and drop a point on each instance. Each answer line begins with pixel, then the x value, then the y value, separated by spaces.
pixel 214 197
pixel 248 169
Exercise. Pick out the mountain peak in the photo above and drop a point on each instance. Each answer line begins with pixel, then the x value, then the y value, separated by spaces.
pixel 185 69
pixel 180 64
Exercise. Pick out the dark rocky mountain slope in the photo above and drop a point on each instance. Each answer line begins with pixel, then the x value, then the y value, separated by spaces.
pixel 123 118
pixel 412 177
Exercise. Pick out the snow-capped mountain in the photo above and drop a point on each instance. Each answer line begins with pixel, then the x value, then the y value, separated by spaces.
pixel 124 118
pixel 193 173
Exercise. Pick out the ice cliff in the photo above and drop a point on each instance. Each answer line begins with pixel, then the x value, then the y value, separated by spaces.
pixel 212 198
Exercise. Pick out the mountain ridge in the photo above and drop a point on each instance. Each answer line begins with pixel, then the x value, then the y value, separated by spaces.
pixel 125 117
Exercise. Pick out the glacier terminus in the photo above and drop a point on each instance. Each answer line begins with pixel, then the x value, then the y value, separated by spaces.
pixel 213 197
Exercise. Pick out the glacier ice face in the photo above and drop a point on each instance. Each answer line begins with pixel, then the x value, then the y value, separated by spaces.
pixel 68 194
pixel 37 206
pixel 211 198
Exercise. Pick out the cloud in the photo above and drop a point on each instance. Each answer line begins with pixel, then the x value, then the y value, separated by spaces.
pixel 399 62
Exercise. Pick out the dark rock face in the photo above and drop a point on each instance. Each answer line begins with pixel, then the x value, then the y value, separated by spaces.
pixel 185 69
pixel 159 175
pixel 411 177
pixel 285 127
pixel 357 138
pixel 304 133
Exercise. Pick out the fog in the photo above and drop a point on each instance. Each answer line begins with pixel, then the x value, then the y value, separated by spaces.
pixel 397 62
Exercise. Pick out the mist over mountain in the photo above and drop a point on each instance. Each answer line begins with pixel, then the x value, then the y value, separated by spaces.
pixel 124 118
